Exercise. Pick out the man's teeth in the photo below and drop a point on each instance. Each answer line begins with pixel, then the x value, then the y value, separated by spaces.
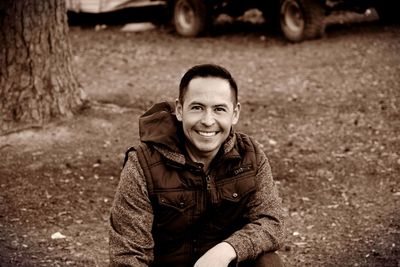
pixel 207 133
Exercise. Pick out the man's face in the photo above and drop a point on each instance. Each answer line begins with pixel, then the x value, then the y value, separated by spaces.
pixel 207 115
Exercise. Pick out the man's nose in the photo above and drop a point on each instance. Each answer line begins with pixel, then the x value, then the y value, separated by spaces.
pixel 207 119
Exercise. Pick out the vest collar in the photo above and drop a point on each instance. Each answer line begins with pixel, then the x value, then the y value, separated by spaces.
pixel 229 151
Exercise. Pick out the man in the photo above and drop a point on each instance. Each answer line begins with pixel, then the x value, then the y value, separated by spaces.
pixel 195 192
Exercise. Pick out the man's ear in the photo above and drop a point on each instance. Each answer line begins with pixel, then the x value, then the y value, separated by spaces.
pixel 236 114
pixel 178 110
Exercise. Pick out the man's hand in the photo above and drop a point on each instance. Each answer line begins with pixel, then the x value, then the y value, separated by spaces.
pixel 218 256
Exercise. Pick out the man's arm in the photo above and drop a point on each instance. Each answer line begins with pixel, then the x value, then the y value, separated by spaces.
pixel 264 233
pixel 131 241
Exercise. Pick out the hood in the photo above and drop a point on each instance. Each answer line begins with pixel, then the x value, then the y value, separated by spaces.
pixel 159 126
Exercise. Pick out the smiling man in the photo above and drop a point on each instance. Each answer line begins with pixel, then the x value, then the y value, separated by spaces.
pixel 194 192
pixel 207 110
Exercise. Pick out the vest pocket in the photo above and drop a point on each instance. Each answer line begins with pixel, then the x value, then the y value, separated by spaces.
pixel 173 210
pixel 230 215
pixel 236 189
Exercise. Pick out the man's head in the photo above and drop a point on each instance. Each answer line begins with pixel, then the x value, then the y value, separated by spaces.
pixel 207 107
pixel 207 70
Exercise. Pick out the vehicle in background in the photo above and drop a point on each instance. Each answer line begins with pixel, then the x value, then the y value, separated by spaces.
pixel 101 6
pixel 297 19
pixel 304 19
pixel 92 12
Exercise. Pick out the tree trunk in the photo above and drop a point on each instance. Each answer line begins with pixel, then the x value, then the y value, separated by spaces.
pixel 36 80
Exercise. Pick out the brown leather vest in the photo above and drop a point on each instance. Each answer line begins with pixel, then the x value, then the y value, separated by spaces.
pixel 193 211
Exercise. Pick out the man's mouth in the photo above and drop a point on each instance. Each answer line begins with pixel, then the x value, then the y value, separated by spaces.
pixel 207 134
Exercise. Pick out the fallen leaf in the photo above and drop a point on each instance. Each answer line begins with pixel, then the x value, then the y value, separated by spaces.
pixel 57 235
pixel 300 244
pixel 272 142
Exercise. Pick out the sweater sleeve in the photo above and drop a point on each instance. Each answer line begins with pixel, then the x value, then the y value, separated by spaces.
pixel 264 233
pixel 131 242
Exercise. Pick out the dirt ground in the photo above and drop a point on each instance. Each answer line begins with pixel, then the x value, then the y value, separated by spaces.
pixel 327 112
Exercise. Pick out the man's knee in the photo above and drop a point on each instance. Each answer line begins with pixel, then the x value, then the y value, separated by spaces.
pixel 271 259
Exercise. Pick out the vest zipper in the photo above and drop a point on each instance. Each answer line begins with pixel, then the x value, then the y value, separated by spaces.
pixel 211 191
pixel 207 191
pixel 208 180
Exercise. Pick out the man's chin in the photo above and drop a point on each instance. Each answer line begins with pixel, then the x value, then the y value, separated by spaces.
pixel 207 149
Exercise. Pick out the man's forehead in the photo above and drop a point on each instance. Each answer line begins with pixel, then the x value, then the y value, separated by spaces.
pixel 211 85
pixel 213 90
pixel 201 79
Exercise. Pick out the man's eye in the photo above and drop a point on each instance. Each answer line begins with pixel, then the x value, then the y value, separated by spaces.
pixel 196 108
pixel 220 109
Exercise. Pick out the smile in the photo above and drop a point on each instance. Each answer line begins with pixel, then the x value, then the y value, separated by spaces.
pixel 206 134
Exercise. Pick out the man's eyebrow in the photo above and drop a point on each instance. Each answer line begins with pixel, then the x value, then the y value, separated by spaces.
pixel 194 103
pixel 221 105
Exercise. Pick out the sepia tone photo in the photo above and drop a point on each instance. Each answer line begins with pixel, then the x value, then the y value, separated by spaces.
pixel 199 133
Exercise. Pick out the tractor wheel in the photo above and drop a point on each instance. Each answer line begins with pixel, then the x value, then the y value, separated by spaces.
pixel 302 19
pixel 191 17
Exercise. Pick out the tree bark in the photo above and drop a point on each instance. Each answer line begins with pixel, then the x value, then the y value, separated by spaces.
pixel 37 83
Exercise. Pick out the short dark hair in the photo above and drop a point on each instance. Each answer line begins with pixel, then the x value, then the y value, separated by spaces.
pixel 207 70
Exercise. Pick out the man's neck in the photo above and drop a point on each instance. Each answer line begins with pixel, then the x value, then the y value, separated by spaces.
pixel 204 159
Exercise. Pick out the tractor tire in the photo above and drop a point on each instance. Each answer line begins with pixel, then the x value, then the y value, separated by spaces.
pixel 302 19
pixel 191 17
